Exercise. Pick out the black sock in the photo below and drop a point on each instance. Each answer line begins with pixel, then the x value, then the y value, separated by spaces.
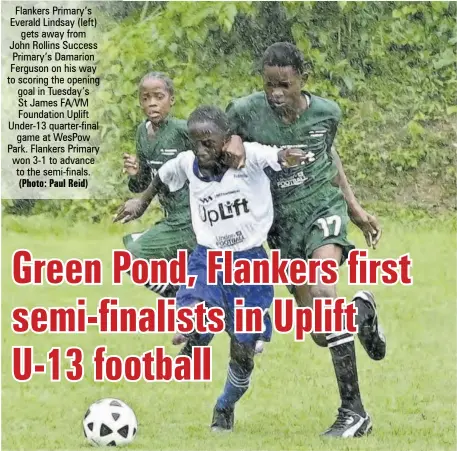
pixel 342 349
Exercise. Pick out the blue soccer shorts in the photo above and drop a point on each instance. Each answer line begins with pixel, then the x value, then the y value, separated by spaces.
pixel 223 296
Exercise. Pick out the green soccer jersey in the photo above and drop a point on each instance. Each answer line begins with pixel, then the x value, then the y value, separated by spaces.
pixel 169 140
pixel 253 119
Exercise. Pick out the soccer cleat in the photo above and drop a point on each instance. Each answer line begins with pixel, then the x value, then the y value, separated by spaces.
pixel 223 420
pixel 349 424
pixel 370 334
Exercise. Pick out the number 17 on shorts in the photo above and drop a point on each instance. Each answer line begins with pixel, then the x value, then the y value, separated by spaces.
pixel 330 226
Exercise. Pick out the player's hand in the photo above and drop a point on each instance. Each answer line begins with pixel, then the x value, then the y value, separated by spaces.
pixel 132 209
pixel 131 166
pixel 234 153
pixel 292 157
pixel 368 224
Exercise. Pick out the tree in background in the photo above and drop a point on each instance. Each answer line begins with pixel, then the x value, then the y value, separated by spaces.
pixel 390 65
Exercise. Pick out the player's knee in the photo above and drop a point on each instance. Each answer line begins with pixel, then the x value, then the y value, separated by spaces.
pixel 322 291
pixel 246 362
pixel 319 339
pixel 243 355
pixel 302 296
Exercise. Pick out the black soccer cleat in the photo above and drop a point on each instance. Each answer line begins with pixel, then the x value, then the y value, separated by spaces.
pixel 370 334
pixel 349 424
pixel 223 420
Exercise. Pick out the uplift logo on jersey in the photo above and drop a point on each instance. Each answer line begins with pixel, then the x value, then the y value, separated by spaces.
pixel 230 239
pixel 205 200
pixel 223 211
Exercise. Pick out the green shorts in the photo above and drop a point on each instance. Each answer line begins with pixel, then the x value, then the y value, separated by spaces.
pixel 320 219
pixel 162 240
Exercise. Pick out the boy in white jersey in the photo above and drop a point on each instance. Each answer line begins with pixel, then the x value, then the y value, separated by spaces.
pixel 231 209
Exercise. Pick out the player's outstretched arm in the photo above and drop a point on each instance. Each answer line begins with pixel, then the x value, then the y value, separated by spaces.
pixel 367 223
pixel 135 208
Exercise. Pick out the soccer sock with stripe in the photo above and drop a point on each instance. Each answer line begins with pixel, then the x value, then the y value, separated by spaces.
pixel 342 349
pixel 237 383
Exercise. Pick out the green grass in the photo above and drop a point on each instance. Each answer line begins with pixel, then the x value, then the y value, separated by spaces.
pixel 411 395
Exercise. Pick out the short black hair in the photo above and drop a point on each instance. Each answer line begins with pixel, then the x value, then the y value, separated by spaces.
pixel 159 76
pixel 213 114
pixel 283 54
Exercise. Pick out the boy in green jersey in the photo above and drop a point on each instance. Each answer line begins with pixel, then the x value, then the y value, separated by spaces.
pixel 313 206
pixel 159 138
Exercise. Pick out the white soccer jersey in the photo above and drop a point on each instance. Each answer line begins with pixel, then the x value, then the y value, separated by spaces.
pixel 235 212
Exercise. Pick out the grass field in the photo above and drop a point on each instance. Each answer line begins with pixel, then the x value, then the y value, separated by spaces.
pixel 411 395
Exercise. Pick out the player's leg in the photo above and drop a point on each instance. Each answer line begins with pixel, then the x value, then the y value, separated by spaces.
pixel 370 332
pixel 162 240
pixel 237 383
pixel 326 238
pixel 242 345
pixel 352 420
pixel 304 298
pixel 328 226
pixel 186 296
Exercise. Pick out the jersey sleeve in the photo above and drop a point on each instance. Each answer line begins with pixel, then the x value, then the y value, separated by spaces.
pixel 174 173
pixel 138 183
pixel 185 143
pixel 262 156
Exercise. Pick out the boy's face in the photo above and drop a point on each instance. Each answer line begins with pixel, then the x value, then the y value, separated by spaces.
pixel 282 86
pixel 155 100
pixel 209 141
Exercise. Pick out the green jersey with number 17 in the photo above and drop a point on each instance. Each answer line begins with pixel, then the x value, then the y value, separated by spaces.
pixel 253 119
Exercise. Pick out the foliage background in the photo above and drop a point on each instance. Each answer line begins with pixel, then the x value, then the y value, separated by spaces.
pixel 391 66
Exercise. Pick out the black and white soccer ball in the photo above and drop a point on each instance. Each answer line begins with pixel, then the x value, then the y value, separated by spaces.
pixel 110 422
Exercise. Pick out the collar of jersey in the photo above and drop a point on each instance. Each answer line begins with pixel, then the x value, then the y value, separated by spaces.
pixel 309 100
pixel 163 124
pixel 213 178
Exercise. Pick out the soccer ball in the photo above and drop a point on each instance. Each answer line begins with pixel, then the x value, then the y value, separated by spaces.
pixel 109 422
